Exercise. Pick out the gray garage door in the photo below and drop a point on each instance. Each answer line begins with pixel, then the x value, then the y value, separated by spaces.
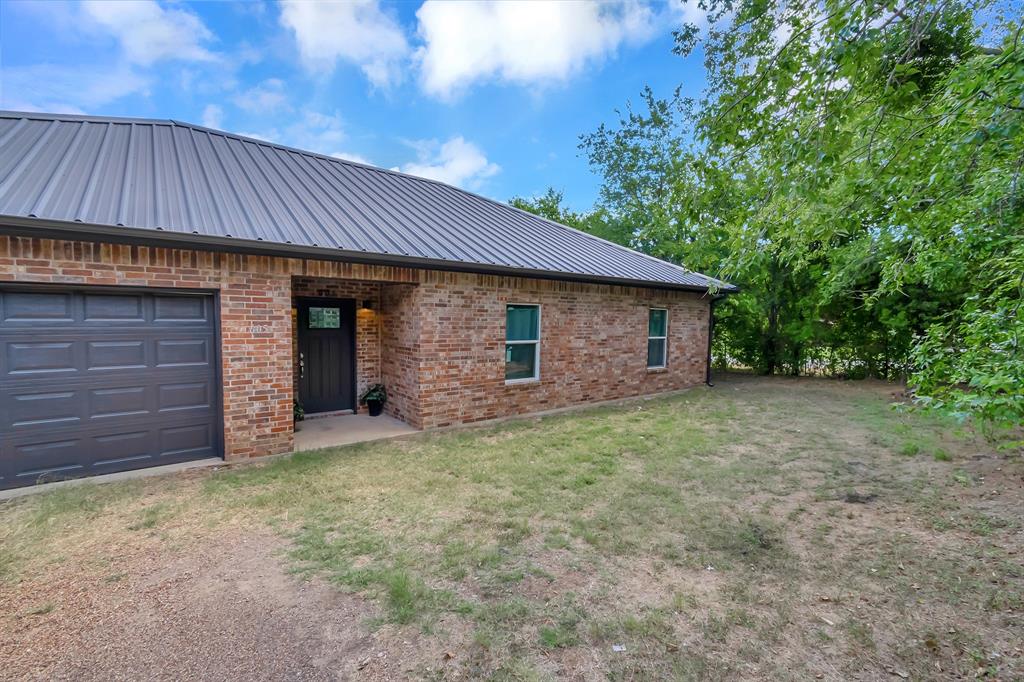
pixel 97 380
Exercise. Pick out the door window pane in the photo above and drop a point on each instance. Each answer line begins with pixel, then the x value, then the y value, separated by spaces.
pixel 520 361
pixel 324 318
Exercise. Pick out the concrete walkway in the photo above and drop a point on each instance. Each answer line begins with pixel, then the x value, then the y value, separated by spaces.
pixel 325 432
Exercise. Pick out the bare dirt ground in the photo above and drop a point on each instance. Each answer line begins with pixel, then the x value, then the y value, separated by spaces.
pixel 765 529
pixel 219 609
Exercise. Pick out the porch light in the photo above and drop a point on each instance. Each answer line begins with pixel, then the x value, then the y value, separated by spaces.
pixel 367 304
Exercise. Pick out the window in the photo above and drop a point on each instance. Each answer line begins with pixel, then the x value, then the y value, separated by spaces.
pixel 325 318
pixel 657 337
pixel 522 343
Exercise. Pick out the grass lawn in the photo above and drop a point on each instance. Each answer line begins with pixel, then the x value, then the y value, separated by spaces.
pixel 765 528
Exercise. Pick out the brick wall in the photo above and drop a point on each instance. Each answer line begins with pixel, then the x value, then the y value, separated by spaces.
pixel 437 341
pixel 255 311
pixel 593 345
pixel 400 349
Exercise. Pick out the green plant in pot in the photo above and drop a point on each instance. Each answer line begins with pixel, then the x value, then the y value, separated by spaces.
pixel 298 413
pixel 374 398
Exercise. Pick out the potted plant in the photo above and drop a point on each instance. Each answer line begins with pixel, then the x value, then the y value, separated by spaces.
pixel 374 398
pixel 298 413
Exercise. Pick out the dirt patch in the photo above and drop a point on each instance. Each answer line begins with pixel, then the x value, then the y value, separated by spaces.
pixel 224 609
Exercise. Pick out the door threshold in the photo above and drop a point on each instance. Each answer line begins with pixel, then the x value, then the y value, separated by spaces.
pixel 333 413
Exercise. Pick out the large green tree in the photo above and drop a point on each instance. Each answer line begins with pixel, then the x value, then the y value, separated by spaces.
pixel 856 167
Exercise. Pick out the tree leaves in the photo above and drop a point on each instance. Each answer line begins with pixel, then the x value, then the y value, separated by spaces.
pixel 857 168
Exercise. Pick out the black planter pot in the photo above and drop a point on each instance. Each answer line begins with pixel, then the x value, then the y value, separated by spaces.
pixel 375 407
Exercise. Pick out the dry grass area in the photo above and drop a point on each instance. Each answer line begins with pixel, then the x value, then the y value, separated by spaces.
pixel 763 529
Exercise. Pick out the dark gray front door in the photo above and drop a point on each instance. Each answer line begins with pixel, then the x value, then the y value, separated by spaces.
pixel 327 332
pixel 97 380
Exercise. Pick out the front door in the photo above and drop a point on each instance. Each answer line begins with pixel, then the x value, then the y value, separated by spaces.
pixel 327 354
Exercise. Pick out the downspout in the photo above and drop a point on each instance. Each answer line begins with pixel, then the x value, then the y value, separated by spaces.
pixel 711 332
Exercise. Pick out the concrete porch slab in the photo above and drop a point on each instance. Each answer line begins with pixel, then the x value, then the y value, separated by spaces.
pixel 325 432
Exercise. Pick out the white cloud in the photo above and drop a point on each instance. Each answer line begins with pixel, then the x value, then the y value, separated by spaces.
pixel 687 11
pixel 312 131
pixel 149 41
pixel 68 89
pixel 149 32
pixel 267 97
pixel 213 116
pixel 348 156
pixel 273 135
pixel 456 162
pixel 357 31
pixel 316 132
pixel 524 43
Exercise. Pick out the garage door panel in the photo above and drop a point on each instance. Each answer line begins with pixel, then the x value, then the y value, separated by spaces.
pixel 181 309
pixel 40 384
pixel 124 447
pixel 100 446
pixel 178 352
pixel 120 354
pixel 184 396
pixel 36 306
pixel 104 424
pixel 186 439
pixel 65 354
pixel 94 382
pixel 39 456
pixel 113 308
pixel 38 357
pixel 123 401
pixel 29 408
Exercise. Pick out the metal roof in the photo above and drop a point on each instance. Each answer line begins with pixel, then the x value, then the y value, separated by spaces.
pixel 164 180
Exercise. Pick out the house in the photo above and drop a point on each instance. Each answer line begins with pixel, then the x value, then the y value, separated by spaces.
pixel 167 291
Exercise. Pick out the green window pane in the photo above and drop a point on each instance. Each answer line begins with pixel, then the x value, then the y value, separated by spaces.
pixel 324 318
pixel 656 323
pixel 522 323
pixel 655 352
pixel 521 361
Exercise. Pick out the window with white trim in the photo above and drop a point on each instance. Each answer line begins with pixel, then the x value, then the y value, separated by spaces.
pixel 522 342
pixel 657 338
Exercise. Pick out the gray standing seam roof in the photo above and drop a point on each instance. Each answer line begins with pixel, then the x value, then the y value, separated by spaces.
pixel 165 181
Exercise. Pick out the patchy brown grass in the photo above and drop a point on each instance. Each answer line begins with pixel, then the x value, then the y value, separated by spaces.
pixel 766 528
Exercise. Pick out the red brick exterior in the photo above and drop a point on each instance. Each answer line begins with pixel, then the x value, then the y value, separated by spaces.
pixel 400 346
pixel 593 345
pixel 436 339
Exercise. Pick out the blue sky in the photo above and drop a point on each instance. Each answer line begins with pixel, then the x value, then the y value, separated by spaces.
pixel 488 96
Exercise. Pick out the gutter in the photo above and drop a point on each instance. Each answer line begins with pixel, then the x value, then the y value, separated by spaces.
pixel 77 231
pixel 711 332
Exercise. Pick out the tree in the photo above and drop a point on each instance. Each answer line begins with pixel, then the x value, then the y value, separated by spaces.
pixel 857 168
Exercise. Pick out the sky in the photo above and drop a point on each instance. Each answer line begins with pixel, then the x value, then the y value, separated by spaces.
pixel 491 97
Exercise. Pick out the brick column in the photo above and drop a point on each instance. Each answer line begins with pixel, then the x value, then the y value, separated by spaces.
pixel 256 357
